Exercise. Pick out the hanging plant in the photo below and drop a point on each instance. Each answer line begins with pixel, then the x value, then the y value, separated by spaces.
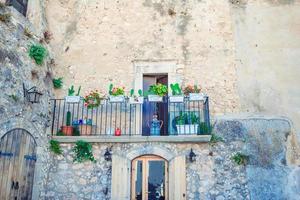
pixel 83 152
pixel 38 53
pixel 55 147
pixel 92 100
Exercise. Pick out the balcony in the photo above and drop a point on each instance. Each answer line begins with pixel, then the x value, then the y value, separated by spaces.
pixel 128 122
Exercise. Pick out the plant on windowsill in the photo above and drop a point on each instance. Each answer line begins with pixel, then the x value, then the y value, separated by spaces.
pixel 116 94
pixel 72 98
pixel 136 99
pixel 38 53
pixel 187 123
pixel 177 96
pixel 194 93
pixel 92 99
pixel 68 128
pixel 55 147
pixel 83 152
pixel 156 92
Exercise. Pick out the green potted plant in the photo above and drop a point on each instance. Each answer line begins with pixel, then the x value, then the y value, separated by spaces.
pixel 177 96
pixel 136 99
pixel 72 98
pixel 157 92
pixel 68 128
pixel 187 123
pixel 194 93
pixel 116 94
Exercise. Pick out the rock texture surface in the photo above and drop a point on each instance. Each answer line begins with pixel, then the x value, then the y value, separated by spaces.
pixel 16 68
pixel 214 175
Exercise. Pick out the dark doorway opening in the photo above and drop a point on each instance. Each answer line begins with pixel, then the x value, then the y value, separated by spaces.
pixel 151 108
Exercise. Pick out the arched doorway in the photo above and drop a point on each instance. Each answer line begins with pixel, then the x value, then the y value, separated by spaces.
pixel 149 179
pixel 17 164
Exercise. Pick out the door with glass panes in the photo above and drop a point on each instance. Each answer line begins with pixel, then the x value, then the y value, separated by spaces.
pixel 149 178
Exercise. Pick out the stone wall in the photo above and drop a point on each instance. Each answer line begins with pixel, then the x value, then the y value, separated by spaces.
pixel 95 43
pixel 267 57
pixel 17 68
pixel 212 176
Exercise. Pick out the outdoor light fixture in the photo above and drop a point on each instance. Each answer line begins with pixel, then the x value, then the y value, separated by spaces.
pixel 32 95
pixel 107 155
pixel 192 156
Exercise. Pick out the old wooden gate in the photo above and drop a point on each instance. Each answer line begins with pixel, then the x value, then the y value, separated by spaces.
pixel 17 163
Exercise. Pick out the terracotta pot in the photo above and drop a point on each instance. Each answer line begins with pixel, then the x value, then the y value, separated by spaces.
pixel 67 130
pixel 85 129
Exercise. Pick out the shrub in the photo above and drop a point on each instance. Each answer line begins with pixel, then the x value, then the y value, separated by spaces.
pixel 38 53
pixel 57 83
pixel 240 159
pixel 83 152
pixel 55 147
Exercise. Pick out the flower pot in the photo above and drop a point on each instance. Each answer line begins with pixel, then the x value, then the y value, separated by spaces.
pixel 197 97
pixel 136 100
pixel 155 98
pixel 72 99
pixel 116 99
pixel 176 99
pixel 67 130
pixel 85 129
pixel 187 129
pixel 118 132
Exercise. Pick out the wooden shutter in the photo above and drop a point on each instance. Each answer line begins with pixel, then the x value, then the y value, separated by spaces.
pixel 120 182
pixel 177 178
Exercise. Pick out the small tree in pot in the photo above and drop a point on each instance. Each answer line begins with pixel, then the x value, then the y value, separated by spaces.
pixel 68 128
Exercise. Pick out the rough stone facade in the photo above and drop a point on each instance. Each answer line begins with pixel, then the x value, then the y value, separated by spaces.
pixel 17 68
pixel 213 176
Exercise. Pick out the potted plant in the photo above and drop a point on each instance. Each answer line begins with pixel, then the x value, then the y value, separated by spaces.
pixel 176 94
pixel 83 126
pixel 68 128
pixel 187 123
pixel 156 92
pixel 92 99
pixel 194 93
pixel 72 98
pixel 116 94
pixel 134 99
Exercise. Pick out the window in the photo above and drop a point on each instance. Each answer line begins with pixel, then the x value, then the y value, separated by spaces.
pixel 19 5
pixel 149 178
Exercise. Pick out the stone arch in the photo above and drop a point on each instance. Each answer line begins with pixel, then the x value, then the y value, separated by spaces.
pixel 151 150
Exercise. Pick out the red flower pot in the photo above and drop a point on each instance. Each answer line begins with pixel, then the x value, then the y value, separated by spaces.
pixel 118 132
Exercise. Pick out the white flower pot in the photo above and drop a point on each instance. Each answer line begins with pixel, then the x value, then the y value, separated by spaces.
pixel 176 99
pixel 136 100
pixel 155 98
pixel 116 99
pixel 197 97
pixel 187 129
pixel 72 99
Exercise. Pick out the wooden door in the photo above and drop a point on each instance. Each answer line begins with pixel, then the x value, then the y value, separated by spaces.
pixel 17 164
pixel 149 178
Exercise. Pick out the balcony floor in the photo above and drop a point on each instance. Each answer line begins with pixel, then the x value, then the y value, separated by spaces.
pixel 135 139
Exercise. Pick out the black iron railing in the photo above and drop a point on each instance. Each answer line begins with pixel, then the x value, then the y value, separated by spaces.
pixel 126 119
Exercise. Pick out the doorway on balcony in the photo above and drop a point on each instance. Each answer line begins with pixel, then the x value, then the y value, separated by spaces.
pixel 150 109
